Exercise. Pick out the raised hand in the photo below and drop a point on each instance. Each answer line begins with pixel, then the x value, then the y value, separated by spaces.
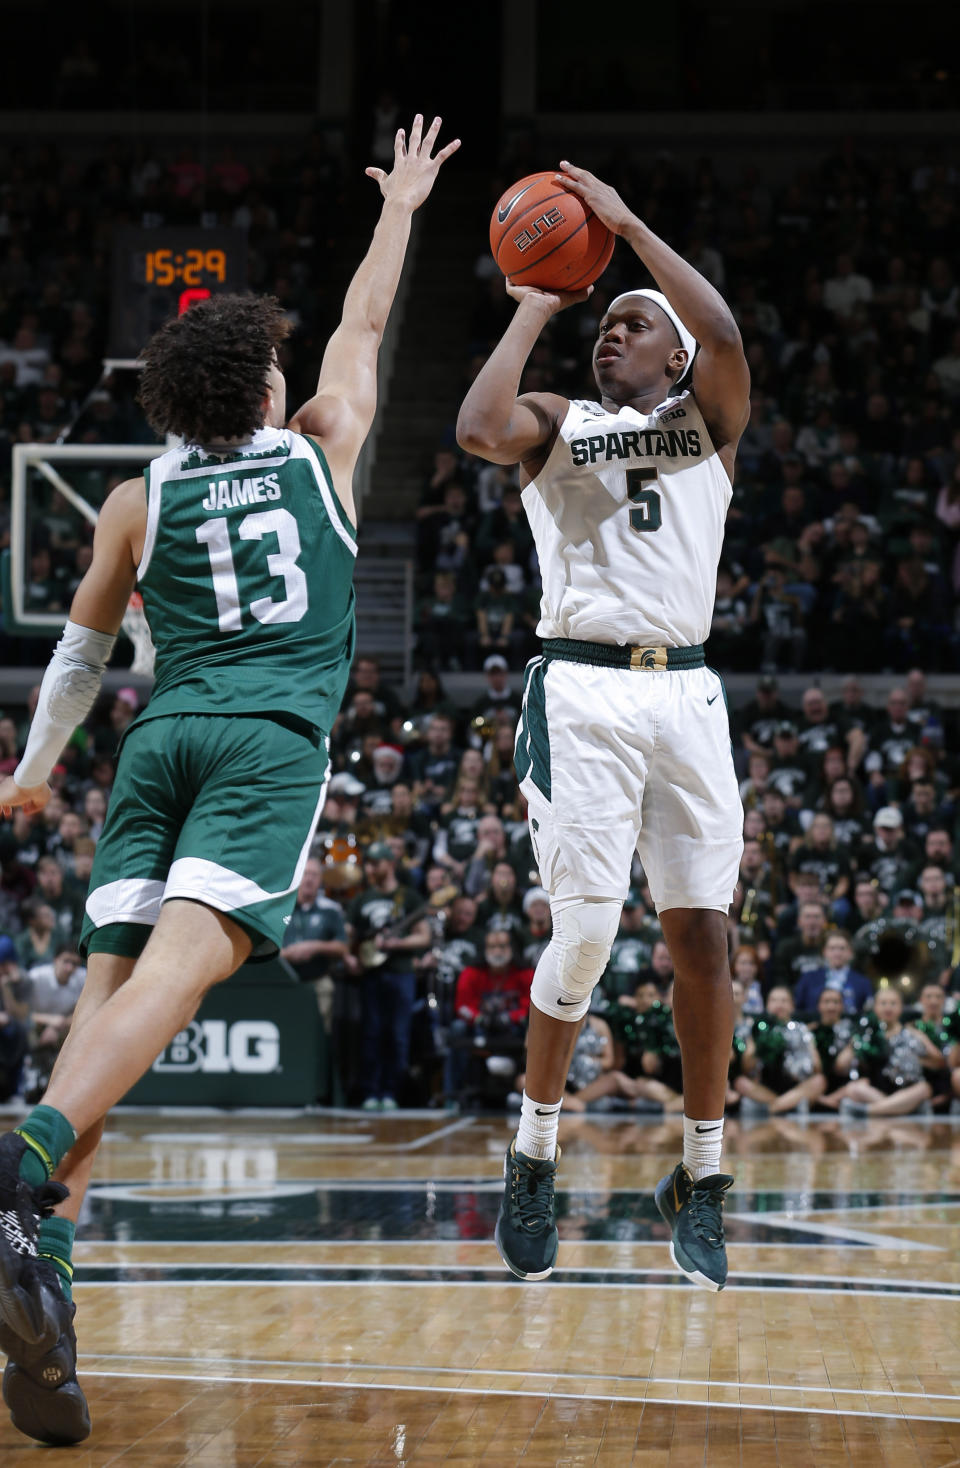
pixel 414 170
pixel 30 799
pixel 605 202
pixel 551 301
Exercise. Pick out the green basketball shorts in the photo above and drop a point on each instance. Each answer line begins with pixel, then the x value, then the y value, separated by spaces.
pixel 220 810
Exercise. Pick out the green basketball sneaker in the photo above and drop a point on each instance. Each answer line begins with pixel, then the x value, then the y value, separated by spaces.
pixel 526 1232
pixel 694 1213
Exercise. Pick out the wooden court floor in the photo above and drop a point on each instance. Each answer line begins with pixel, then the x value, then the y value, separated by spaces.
pixel 323 1289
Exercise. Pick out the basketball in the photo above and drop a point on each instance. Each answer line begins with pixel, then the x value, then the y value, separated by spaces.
pixel 542 234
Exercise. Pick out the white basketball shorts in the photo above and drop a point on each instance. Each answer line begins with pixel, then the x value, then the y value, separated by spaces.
pixel 613 760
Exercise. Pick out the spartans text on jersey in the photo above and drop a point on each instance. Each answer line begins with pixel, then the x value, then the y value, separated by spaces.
pixel 643 442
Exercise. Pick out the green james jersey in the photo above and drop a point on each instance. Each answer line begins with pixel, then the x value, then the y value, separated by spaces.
pixel 247 581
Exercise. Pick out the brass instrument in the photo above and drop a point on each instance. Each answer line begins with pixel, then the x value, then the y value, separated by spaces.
pixel 371 956
pixel 899 959
pixel 953 927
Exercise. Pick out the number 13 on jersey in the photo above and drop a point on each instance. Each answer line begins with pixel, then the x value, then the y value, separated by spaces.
pixel 215 535
pixel 646 502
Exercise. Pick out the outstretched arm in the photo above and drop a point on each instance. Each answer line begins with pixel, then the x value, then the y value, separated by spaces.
pixel 342 410
pixel 72 680
pixel 494 422
pixel 721 377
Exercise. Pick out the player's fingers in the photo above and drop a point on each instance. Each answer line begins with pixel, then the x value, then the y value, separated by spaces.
pixel 430 137
pixel 445 153
pixel 376 173
pixel 416 133
pixel 399 144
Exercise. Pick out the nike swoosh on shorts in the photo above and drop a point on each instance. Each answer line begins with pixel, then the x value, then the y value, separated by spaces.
pixel 504 209
pixel 713 699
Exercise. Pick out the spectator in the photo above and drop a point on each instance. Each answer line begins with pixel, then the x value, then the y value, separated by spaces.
pixel 943 1029
pixel 498 695
pixel 316 937
pixel 892 859
pixel 832 1033
pixel 501 908
pixel 68 912
pixel 631 949
pixel 386 938
pixel 539 925
pixel 441 623
pixel 492 1004
pixel 434 767
pixel 14 1019
pixel 759 719
pixel 804 953
pixel 37 943
pixel 837 973
pixel 820 852
pixel 54 990
pixel 782 1073
pixel 891 1060
pixel 791 772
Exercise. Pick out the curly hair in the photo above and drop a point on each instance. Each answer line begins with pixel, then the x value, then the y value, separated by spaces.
pixel 205 372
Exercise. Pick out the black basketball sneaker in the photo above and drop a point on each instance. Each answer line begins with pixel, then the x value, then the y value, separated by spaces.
pixel 526 1233
pixel 40 1384
pixel 28 1307
pixel 694 1213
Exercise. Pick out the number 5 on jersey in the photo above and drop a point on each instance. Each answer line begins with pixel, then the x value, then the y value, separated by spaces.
pixel 646 512
pixel 215 535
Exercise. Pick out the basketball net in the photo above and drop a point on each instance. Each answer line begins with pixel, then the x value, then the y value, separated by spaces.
pixel 135 626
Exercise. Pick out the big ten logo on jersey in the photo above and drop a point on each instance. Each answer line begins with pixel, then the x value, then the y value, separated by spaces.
pixel 542 225
pixel 228 494
pixel 674 413
pixel 217 1047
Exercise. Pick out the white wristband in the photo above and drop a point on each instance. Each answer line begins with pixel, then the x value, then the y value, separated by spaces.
pixel 67 694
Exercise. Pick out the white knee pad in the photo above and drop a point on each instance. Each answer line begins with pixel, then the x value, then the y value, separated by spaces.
pixel 572 964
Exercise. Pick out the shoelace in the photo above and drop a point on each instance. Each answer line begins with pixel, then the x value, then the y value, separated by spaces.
pixel 705 1211
pixel 531 1198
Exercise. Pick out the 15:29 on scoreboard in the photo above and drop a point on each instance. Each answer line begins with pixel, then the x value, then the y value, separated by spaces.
pixel 159 273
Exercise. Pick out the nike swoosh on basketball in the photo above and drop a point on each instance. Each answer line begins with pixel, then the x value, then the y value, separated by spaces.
pixel 713 699
pixel 504 209
pixel 715 1128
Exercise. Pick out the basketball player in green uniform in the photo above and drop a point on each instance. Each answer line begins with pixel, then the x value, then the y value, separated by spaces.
pixel 242 543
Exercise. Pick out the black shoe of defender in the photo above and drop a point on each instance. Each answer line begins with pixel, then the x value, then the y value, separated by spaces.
pixel 40 1384
pixel 694 1213
pixel 526 1232
pixel 27 1306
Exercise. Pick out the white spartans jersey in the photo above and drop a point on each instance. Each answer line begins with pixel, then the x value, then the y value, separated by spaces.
pixel 628 515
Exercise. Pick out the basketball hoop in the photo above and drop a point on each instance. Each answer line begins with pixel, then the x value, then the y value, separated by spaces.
pixel 135 626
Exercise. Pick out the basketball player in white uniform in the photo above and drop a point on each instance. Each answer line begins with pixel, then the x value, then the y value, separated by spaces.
pixel 624 741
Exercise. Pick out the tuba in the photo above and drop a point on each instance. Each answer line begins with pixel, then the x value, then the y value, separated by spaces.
pixel 899 957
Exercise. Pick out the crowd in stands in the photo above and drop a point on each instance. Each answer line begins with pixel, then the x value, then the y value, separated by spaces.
pixel 843 540
pixel 420 917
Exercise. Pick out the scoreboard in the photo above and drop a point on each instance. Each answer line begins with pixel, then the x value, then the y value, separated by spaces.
pixel 159 273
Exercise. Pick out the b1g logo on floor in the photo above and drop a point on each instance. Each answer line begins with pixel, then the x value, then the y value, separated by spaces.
pixel 217 1047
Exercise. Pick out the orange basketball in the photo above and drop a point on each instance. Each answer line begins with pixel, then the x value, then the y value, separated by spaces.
pixel 543 235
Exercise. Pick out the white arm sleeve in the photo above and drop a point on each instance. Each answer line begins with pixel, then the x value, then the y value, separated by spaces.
pixel 67 694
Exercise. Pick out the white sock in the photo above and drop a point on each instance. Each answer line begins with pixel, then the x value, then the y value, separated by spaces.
pixel 539 1121
pixel 702 1143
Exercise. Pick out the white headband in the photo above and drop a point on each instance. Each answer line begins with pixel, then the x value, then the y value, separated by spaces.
pixel 687 338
